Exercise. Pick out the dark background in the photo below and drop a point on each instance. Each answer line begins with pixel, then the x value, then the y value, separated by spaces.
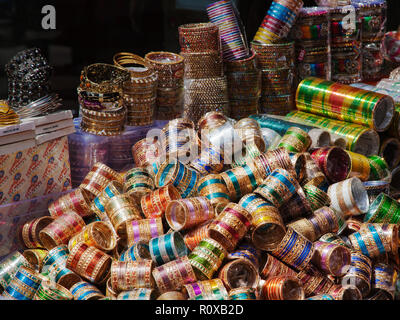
pixel 90 31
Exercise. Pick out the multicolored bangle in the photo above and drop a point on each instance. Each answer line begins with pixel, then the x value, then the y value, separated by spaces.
pixel 9 267
pixel 31 230
pixel 23 286
pixel 334 162
pixel 139 251
pixel 155 203
pixel 331 258
pixel 167 248
pixel 213 187
pixel 243 293
pixel 193 237
pixel 77 200
pixel 384 209
pixel 277 288
pixel 126 276
pixel 143 230
pixel 86 291
pixel 138 294
pixel 52 291
pixel 208 289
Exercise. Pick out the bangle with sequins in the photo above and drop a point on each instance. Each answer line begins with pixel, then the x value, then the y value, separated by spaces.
pixel 130 275
pixel 89 262
pixel 61 230
pixel 230 226
pixel 207 257
pixel 86 291
pixel 143 230
pixel 331 258
pixel 243 293
pixel 155 203
pixel 277 288
pixel 31 230
pixel 232 273
pixel 206 290
pixel 187 213
pixel 167 248
pixel 9 267
pixel 97 234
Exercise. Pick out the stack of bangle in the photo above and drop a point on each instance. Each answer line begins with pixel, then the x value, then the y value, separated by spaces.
pixel 282 288
pixel 98 178
pixel 214 189
pixel 206 290
pixel 146 152
pixel 312 171
pixel 384 278
pixel 186 213
pixel 316 197
pixel 314 282
pixel 31 230
pixel 383 210
pixel 349 197
pixel 138 182
pixel 206 258
pixel 131 275
pixel 331 258
pixel 274 267
pixel 97 234
pixel 77 200
pixel 239 273
pixel 173 275
pixel 295 250
pixel 55 263
pixel 138 294
pixel 297 206
pixel 193 237
pixel 155 203
pixel 199 37
pixel 114 188
pixel 359 273
pixel 167 248
pixel 143 230
pixel 45 105
pixel 246 252
pixel 35 257
pixel 9 267
pixel 209 161
pixel 23 286
pixel 304 227
pixel 252 202
pixel 61 230
pixel 243 293
pixel 52 291
pixel 379 169
pixel 278 187
pixel 121 209
pixel 201 65
pixel 268 228
pixel 180 176
pixel 249 130
pixel 326 220
pixel 334 238
pixel 139 251
pixel 274 159
pixel 86 291
pixel 360 166
pixel 274 55
pixel 170 69
pixel 89 262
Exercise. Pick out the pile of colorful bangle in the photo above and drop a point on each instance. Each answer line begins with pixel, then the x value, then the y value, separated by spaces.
pixel 311 36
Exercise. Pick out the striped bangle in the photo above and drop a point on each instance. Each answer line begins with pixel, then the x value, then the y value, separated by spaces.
pixel 86 291
pixel 167 248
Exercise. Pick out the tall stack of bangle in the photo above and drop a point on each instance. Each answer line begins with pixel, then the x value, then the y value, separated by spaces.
pixel 325 220
pixel 349 197
pixel 170 68
pixel 295 140
pixel 35 257
pixel 348 292
pixel 31 230
pixel 138 182
pixel 23 286
pixel 97 234
pixel 278 187
pixel 86 291
pixel 274 55
pixel 206 258
pixel 374 240
pixel 283 288
pixel 241 180
pixel 268 228
pixel 243 293
pixel 359 166
pixel 331 258
pixel 138 294
pixel 206 290
pixel 198 37
pixel 138 251
pixel 209 161
pixel 76 200
pixel 49 290
pixel 61 230
pixel 167 248
pixel 297 206
pixel 98 178
pixel 155 203
pixel 359 273
pixel 295 250
pixel 316 197
pixel 230 226
pixel 184 179
pixel 384 278
pixel 193 237
pixel 379 169
pixel 55 262
pixel 173 275
pixel 239 273
pixel 143 230
pixel 9 267
pixel 273 267
pixel 131 275
pixel 334 162
pixel 200 65
pixel 89 262
pixel 187 213
pixel 213 187
pixel 121 209
pixel 384 209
